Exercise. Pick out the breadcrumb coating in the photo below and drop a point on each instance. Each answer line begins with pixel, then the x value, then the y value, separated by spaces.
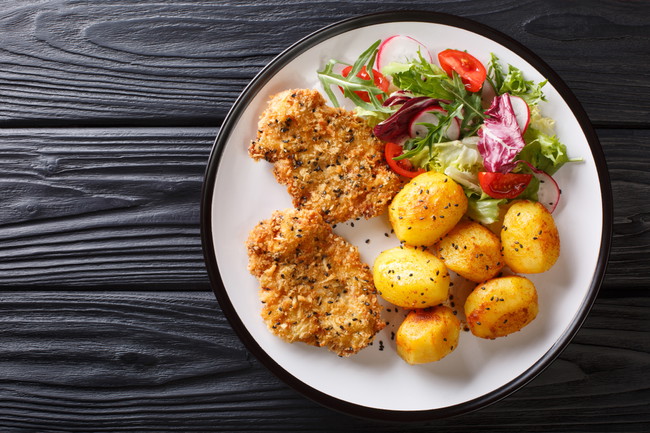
pixel 313 285
pixel 327 157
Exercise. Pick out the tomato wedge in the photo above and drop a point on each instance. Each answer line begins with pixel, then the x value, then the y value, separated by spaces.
pixel 380 81
pixel 469 68
pixel 403 167
pixel 503 185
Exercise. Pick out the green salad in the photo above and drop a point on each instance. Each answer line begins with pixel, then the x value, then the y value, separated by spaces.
pixel 481 125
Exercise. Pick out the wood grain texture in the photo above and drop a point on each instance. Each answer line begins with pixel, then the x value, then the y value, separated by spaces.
pixel 71 62
pixel 628 160
pixel 107 323
pixel 102 207
pixel 109 207
pixel 170 362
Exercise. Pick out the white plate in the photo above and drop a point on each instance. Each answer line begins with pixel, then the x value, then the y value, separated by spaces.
pixel 239 192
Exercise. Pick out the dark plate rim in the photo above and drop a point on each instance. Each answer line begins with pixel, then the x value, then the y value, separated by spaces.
pixel 255 86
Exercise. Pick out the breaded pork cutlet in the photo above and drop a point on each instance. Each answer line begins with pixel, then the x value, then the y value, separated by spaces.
pixel 327 157
pixel 313 284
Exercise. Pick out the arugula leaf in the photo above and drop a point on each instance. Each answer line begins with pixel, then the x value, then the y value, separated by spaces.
pixel 495 72
pixel 435 135
pixel 352 83
pixel 419 77
pixel 466 106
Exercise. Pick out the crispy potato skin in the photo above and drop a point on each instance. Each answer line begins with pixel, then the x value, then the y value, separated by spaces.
pixel 530 239
pixel 411 278
pixel 472 251
pixel 501 306
pixel 427 335
pixel 427 208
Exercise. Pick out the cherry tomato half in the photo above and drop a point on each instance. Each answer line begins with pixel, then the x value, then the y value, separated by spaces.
pixel 403 167
pixel 380 81
pixel 503 185
pixel 469 68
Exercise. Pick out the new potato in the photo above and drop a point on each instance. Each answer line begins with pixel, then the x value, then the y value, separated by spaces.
pixel 472 251
pixel 427 335
pixel 530 240
pixel 411 278
pixel 427 208
pixel 501 306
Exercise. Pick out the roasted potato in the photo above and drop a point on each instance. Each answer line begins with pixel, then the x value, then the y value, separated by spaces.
pixel 530 240
pixel 472 251
pixel 427 208
pixel 501 306
pixel 427 335
pixel 411 278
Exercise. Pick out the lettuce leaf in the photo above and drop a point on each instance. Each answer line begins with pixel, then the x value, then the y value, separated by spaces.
pixel 467 179
pixel 512 81
pixel 372 117
pixel 462 155
pixel 543 151
pixel 483 208
pixel 539 122
pixel 459 154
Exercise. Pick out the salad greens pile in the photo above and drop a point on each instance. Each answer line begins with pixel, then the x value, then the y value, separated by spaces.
pixel 467 132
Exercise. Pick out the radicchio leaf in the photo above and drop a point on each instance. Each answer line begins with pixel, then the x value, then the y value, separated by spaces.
pixel 500 138
pixel 397 98
pixel 397 127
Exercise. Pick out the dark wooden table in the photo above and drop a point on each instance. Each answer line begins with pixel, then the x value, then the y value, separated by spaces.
pixel 108 111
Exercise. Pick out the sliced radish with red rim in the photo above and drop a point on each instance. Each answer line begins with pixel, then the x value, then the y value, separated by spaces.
pixel 549 192
pixel 487 94
pixel 400 48
pixel 427 115
pixel 522 112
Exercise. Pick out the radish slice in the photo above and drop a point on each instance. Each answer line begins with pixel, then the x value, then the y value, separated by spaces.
pixel 453 130
pixel 549 192
pixel 400 48
pixel 428 116
pixel 425 116
pixel 522 112
pixel 487 94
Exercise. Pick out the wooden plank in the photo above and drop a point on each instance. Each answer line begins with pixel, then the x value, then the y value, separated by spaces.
pixel 170 362
pixel 134 62
pixel 628 159
pixel 113 207
pixel 102 207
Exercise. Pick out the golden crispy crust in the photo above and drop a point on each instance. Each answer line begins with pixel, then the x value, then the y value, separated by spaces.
pixel 313 285
pixel 327 157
